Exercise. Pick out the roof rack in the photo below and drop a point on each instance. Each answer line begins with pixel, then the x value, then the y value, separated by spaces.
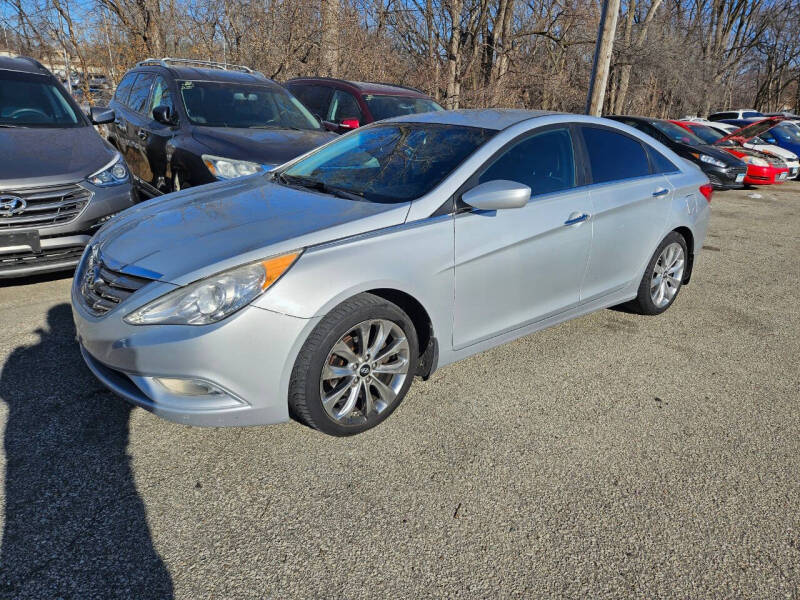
pixel 188 62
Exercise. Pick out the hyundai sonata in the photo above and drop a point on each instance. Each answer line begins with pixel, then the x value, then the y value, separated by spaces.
pixel 322 288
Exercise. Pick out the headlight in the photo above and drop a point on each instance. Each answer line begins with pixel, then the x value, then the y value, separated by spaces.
pixel 755 161
pixel 710 160
pixel 113 173
pixel 214 298
pixel 230 168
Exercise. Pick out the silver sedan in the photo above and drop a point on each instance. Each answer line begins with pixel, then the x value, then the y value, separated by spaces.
pixel 321 289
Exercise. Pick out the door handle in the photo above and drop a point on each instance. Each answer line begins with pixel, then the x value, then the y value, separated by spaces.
pixel 660 192
pixel 573 220
pixel 142 134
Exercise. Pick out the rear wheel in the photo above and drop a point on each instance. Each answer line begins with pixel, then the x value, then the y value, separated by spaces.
pixel 663 276
pixel 355 368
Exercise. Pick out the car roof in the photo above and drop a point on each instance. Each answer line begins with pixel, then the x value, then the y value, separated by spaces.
pixel 190 73
pixel 634 118
pixel 23 64
pixel 367 87
pixel 488 118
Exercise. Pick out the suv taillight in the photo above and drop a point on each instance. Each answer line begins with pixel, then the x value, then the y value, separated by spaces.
pixel 707 189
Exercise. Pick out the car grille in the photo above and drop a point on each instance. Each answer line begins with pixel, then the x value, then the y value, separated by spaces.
pixel 20 260
pixel 39 207
pixel 103 288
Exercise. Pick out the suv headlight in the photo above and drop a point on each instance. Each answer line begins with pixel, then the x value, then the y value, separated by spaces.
pixel 230 168
pixel 214 298
pixel 113 173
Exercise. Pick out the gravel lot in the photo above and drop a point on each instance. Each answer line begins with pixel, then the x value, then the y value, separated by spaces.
pixel 612 456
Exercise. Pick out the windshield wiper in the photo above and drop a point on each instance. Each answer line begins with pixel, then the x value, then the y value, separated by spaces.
pixel 315 184
pixel 10 126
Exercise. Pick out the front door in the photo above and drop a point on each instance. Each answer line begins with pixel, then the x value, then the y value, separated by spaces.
pixel 518 266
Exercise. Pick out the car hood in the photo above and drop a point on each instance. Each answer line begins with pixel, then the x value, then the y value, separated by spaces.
pixel 748 132
pixel 712 151
pixel 266 146
pixel 34 156
pixel 775 150
pixel 184 236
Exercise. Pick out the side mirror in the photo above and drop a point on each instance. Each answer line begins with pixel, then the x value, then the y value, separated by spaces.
pixel 349 124
pixel 498 194
pixel 101 115
pixel 163 114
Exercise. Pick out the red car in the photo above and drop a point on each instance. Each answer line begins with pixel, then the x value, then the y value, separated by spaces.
pixel 344 105
pixel 762 168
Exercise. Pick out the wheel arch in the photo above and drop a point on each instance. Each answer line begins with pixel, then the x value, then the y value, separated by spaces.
pixel 688 236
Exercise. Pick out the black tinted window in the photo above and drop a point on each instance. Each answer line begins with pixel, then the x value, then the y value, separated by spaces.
pixel 315 97
pixel 124 88
pixel 344 106
pixel 661 164
pixel 614 156
pixel 140 92
pixel 544 162
pixel 723 115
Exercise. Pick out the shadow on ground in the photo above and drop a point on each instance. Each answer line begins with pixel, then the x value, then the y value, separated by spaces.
pixel 74 524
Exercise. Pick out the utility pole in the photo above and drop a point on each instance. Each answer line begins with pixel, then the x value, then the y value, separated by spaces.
pixel 602 57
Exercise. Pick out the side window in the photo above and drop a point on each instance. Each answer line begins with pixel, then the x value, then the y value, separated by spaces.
pixel 544 162
pixel 140 92
pixel 124 88
pixel 315 97
pixel 343 106
pixel 661 164
pixel 614 156
pixel 161 96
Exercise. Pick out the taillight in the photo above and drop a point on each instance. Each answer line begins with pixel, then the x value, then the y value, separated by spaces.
pixel 707 189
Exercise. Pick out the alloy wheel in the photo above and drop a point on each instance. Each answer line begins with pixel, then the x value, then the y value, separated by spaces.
pixel 364 372
pixel 667 275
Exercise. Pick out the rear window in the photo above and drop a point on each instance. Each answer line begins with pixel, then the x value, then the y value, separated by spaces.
pixel 750 114
pixel 614 156
pixel 723 115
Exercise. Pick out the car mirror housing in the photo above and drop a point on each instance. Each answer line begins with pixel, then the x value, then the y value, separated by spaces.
pixel 497 194
pixel 349 124
pixel 101 115
pixel 164 115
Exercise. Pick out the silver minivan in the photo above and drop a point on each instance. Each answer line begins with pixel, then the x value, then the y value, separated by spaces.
pixel 322 288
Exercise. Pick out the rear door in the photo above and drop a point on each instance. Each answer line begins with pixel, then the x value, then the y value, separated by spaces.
pixel 630 203
pixel 518 266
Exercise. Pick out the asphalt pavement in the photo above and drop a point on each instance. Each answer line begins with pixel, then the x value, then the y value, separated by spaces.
pixel 614 456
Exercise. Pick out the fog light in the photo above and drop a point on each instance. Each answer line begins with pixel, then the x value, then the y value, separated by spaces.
pixel 188 387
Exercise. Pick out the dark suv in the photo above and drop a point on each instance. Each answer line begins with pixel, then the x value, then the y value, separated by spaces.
pixel 59 180
pixel 182 123
pixel 344 105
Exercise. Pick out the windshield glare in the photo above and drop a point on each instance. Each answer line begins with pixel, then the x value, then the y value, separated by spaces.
pixel 29 100
pixel 787 132
pixel 215 104
pixel 390 163
pixel 677 133
pixel 386 107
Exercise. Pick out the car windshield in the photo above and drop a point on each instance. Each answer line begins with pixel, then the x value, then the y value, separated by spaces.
pixel 216 104
pixel 709 135
pixel 31 100
pixel 386 107
pixel 390 163
pixel 787 132
pixel 677 133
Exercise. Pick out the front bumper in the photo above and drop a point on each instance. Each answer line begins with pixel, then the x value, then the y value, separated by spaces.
pixel 248 356
pixel 30 251
pixel 765 175
pixel 724 178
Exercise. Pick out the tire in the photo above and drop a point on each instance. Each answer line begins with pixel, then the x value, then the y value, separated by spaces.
pixel 332 365
pixel 652 300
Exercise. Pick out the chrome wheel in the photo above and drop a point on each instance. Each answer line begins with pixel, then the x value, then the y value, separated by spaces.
pixel 667 275
pixel 364 372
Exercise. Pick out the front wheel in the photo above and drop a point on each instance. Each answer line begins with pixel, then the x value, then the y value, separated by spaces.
pixel 355 368
pixel 663 276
